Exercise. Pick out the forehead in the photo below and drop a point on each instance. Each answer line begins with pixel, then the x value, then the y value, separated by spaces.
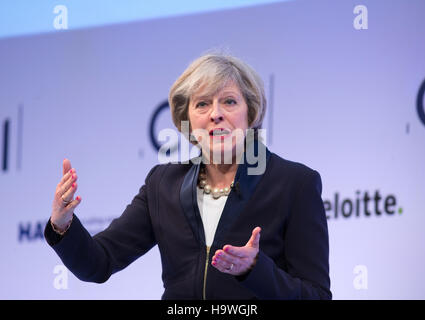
pixel 210 91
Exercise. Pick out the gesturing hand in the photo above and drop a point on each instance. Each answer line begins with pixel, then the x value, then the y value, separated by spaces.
pixel 64 202
pixel 238 260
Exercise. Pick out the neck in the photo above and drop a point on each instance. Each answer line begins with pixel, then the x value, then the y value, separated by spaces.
pixel 220 175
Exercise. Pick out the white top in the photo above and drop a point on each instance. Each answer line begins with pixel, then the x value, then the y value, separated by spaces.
pixel 210 210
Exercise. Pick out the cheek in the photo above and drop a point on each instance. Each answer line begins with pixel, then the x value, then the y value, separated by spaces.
pixel 198 128
pixel 242 120
pixel 198 121
pixel 192 120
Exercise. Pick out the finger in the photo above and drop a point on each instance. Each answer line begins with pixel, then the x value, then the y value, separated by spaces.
pixel 227 258
pixel 66 177
pixel 66 165
pixel 236 251
pixel 222 265
pixel 219 267
pixel 69 194
pixel 254 241
pixel 230 268
pixel 74 203
pixel 62 189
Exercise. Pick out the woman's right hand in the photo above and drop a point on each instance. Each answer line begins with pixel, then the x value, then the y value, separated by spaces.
pixel 64 202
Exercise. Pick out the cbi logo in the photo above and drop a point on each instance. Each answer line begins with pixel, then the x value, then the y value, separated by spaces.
pixel 420 103
pixel 6 138
pixel 155 123
pixel 161 120
pixel 5 144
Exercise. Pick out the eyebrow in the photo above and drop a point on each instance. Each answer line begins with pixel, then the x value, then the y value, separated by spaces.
pixel 222 94
pixel 200 97
pixel 229 93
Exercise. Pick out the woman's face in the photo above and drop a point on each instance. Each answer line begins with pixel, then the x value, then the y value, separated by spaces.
pixel 219 123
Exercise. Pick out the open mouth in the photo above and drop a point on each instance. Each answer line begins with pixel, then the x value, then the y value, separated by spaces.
pixel 219 132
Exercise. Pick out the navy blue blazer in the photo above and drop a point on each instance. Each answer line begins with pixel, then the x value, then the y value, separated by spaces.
pixel 285 201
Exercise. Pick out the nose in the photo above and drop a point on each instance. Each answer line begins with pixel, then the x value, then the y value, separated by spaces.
pixel 216 114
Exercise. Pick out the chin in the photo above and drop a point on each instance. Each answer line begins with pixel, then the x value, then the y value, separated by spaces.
pixel 221 154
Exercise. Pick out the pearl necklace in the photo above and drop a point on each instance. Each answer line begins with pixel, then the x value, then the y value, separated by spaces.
pixel 216 192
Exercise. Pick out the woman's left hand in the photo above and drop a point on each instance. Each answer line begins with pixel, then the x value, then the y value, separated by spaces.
pixel 238 260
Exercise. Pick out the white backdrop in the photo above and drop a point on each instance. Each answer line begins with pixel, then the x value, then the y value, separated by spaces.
pixel 342 101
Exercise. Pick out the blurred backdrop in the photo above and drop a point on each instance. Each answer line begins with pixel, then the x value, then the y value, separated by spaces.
pixel 89 80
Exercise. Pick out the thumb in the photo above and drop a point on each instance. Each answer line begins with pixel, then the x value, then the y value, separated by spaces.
pixel 66 166
pixel 254 241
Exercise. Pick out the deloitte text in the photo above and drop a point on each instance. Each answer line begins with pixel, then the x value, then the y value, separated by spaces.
pixel 363 204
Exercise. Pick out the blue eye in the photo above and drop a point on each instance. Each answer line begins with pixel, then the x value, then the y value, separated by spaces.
pixel 201 104
pixel 230 101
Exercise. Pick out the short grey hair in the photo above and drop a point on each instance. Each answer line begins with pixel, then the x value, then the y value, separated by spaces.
pixel 212 72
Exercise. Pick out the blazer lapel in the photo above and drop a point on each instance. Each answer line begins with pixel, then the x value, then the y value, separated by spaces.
pixel 189 202
pixel 244 186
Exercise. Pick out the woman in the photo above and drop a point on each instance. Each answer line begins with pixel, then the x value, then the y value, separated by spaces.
pixel 223 231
